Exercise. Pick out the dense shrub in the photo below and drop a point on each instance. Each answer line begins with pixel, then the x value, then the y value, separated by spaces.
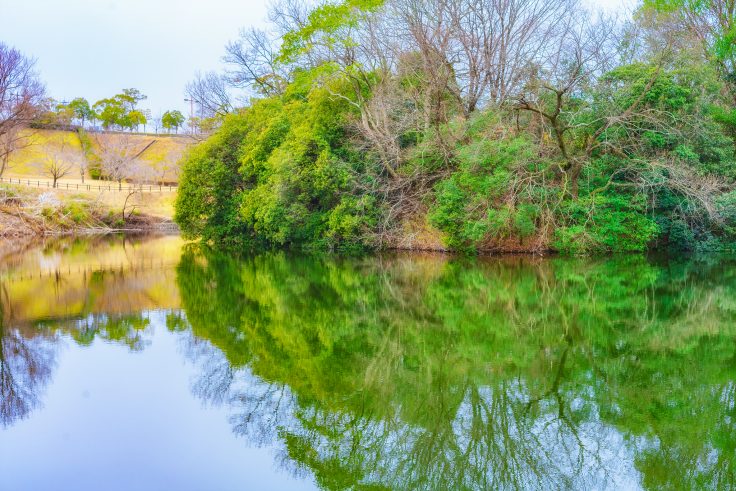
pixel 280 173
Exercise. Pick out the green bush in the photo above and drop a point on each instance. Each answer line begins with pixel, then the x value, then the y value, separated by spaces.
pixel 78 212
pixel 605 224
pixel 468 205
pixel 278 174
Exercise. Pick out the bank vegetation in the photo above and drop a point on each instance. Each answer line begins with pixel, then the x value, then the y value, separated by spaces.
pixel 472 125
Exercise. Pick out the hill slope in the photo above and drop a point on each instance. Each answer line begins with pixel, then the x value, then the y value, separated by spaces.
pixel 160 152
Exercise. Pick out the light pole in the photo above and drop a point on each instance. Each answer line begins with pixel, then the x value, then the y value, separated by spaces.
pixel 191 114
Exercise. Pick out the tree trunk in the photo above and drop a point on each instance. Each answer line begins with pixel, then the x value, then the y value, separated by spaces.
pixel 574 175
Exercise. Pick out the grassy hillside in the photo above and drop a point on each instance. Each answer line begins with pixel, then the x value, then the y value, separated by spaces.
pixel 163 150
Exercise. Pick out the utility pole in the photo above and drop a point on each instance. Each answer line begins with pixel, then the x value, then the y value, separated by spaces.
pixel 191 114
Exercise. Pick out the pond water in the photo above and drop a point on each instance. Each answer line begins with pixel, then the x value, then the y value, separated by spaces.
pixel 150 364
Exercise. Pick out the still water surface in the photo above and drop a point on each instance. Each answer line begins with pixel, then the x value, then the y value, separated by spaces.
pixel 150 364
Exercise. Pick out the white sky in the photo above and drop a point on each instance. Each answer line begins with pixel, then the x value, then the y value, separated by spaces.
pixel 95 48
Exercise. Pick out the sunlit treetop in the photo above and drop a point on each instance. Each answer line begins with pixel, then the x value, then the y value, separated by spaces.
pixel 719 15
pixel 324 23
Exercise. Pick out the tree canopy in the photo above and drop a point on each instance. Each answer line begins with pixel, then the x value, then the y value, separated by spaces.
pixel 172 120
pixel 475 125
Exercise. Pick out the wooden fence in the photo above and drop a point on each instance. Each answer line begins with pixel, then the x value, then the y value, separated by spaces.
pixel 127 188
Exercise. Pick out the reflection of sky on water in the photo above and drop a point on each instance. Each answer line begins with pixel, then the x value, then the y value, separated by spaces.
pixel 117 420
pixel 128 419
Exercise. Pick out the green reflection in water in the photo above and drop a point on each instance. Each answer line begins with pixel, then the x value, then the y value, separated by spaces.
pixel 419 372
pixel 423 372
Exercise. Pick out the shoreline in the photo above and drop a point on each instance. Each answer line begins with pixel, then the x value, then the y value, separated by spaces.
pixel 141 224
pixel 35 214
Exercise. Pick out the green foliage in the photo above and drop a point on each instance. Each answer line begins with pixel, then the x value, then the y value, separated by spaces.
pixel 292 160
pixel 77 212
pixel 207 204
pixel 395 367
pixel 726 117
pixel 172 120
pixel 727 209
pixel 634 158
pixel 468 206
pixel 717 18
pixel 81 109
pixel 110 112
pixel 326 23
pixel 136 118
pixel 603 223
pixel 120 110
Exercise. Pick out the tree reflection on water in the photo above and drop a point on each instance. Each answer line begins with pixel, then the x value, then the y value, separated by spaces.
pixel 26 363
pixel 423 372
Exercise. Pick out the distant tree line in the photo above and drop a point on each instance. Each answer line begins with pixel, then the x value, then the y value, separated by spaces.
pixel 23 105
pixel 120 112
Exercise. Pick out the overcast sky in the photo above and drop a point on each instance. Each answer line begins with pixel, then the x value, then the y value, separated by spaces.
pixel 95 48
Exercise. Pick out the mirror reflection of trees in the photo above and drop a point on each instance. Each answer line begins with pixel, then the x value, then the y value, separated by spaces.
pixel 420 372
pixel 26 363
pixel 28 353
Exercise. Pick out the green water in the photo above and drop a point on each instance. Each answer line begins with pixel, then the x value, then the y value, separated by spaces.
pixel 275 371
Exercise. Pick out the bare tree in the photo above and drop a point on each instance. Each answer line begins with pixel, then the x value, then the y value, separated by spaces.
pixel 138 173
pixel 59 161
pixel 156 121
pixel 118 155
pixel 168 168
pixel 82 167
pixel 26 364
pixel 210 93
pixel 253 58
pixel 11 141
pixel 21 95
pixel 581 56
pixel 252 62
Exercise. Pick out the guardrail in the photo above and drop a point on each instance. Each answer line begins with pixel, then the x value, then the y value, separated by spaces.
pixel 127 188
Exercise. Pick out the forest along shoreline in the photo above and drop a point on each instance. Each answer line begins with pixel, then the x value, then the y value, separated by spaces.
pixel 378 124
